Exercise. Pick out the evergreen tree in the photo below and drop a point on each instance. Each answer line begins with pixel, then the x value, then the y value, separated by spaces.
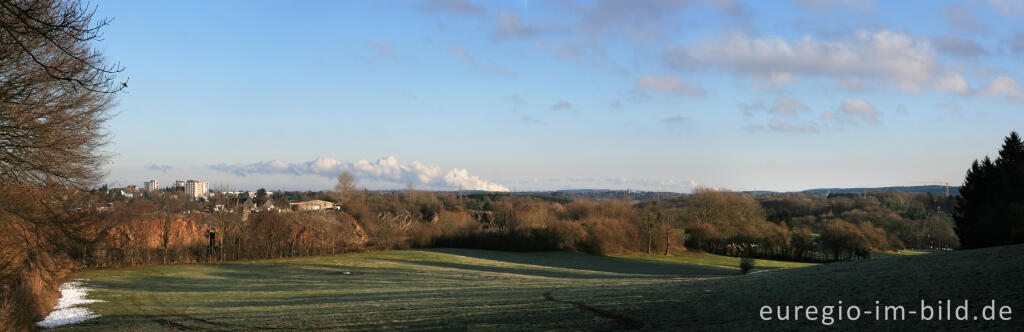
pixel 990 209
pixel 261 197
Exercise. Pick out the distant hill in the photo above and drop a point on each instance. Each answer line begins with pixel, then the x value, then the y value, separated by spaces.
pixel 569 194
pixel 606 193
pixel 911 189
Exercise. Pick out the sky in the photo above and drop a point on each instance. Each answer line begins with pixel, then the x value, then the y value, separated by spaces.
pixel 542 95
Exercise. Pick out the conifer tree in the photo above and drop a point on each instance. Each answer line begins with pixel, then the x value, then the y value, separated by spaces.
pixel 990 209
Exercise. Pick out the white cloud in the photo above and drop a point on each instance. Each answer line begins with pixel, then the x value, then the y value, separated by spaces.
pixel 860 108
pixel 676 122
pixel 381 50
pixel 783 126
pixel 852 84
pixel 670 84
pixel 386 170
pixel 510 25
pixel 961 47
pixel 470 60
pixel 907 62
pixel 748 109
pixel 1001 86
pixel 828 5
pixel 961 17
pixel 1016 43
pixel 531 120
pixel 732 8
pixel 1008 7
pixel 788 106
pixel 953 82
pixel 460 7
pixel 562 105
pixel 1004 86
pixel 161 168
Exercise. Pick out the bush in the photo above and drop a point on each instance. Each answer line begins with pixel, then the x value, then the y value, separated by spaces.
pixel 747 264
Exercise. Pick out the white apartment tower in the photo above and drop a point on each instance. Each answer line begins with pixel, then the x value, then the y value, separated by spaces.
pixel 151 185
pixel 196 189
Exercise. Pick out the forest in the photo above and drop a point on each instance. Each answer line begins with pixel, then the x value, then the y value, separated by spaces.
pixel 163 227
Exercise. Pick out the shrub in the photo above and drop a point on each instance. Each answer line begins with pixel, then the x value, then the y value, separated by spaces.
pixel 747 264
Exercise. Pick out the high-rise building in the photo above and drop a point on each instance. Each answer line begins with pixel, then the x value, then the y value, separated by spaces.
pixel 151 185
pixel 178 184
pixel 195 189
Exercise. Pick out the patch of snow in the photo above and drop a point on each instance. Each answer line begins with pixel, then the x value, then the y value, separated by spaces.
pixel 68 310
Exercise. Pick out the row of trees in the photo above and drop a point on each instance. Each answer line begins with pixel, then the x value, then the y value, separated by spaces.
pixel 991 203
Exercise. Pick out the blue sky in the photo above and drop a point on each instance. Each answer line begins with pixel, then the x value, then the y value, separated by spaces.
pixel 538 95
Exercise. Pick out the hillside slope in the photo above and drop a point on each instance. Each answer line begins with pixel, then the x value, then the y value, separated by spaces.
pixel 462 289
pixel 978 276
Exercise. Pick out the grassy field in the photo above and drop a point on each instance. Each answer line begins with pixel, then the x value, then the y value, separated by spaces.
pixel 700 258
pixel 461 289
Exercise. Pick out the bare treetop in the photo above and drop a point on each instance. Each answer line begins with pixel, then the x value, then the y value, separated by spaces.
pixel 55 93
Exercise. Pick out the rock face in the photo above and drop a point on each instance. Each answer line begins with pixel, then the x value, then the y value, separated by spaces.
pixel 359 237
pixel 151 233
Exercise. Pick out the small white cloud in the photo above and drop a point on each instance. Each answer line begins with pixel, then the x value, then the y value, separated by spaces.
pixel 382 48
pixel 460 7
pixel 1004 86
pixel 675 122
pixel 905 61
pixel 161 168
pixel 510 25
pixel 562 105
pixel 788 106
pixel 1008 7
pixel 953 82
pixel 531 120
pixel 750 108
pixel 860 108
pixel 783 126
pixel 470 60
pixel 1001 86
pixel 829 5
pixel 961 17
pixel 669 84
pixel 852 84
pixel 960 47
pixel 1015 43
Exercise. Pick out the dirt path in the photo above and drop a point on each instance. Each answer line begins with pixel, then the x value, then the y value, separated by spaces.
pixel 622 321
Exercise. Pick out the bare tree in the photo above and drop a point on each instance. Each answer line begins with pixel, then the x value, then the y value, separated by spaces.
pixel 55 94
pixel 346 187
pixel 56 91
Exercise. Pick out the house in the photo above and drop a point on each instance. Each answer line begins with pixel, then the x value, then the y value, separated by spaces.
pixel 314 205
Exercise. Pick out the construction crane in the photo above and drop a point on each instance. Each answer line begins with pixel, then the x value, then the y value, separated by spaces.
pixel 940 183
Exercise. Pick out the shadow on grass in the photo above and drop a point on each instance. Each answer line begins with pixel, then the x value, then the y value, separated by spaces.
pixel 584 266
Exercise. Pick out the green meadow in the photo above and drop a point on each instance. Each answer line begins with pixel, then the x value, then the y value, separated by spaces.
pixel 462 289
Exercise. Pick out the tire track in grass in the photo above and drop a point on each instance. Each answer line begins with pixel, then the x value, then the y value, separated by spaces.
pixel 162 308
pixel 165 322
pixel 171 312
pixel 623 321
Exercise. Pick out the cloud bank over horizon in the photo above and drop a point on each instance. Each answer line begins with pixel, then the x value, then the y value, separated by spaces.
pixel 385 170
